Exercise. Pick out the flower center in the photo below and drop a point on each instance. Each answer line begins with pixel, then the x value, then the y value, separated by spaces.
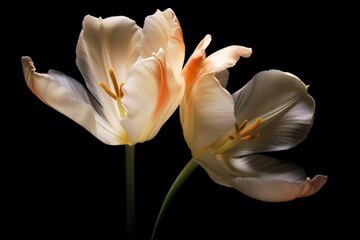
pixel 118 95
pixel 242 132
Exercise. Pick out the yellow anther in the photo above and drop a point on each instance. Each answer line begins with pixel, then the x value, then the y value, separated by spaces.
pixel 242 133
pixel 118 88
pixel 107 90
pixel 251 127
pixel 114 82
pixel 239 127
pixel 249 137
pixel 121 92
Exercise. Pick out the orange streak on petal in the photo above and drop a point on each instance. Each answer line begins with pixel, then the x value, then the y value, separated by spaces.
pixel 163 91
pixel 307 188
pixel 33 88
pixel 30 76
pixel 193 67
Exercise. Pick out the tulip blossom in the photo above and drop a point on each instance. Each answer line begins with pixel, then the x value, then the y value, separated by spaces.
pixel 132 77
pixel 227 132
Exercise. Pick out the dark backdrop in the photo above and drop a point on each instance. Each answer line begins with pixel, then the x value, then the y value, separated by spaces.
pixel 63 183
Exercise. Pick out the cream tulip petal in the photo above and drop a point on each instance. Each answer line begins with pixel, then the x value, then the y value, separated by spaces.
pixel 208 114
pixel 269 179
pixel 275 190
pixel 225 58
pixel 162 30
pixel 112 42
pixel 286 109
pixel 151 95
pixel 69 97
pixel 261 177
pixel 214 167
pixel 111 133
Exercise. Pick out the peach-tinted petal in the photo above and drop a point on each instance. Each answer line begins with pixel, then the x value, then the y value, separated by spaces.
pixel 275 190
pixel 151 95
pixel 162 30
pixel 225 58
pixel 194 65
pixel 208 114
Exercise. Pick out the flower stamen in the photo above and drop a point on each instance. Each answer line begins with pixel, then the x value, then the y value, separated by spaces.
pixel 241 126
pixel 107 90
pixel 114 82
pixel 118 95
pixel 121 94
pixel 250 128
pixel 118 87
pixel 242 133
pixel 249 137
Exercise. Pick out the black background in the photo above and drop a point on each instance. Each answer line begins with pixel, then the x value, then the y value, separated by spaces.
pixel 61 182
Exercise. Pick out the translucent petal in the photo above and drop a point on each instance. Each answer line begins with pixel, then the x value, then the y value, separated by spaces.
pixel 269 179
pixel 70 98
pixel 261 177
pixel 151 95
pixel 225 58
pixel 162 30
pixel 208 114
pixel 112 42
pixel 286 109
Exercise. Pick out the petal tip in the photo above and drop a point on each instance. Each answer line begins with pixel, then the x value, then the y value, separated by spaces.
pixel 312 186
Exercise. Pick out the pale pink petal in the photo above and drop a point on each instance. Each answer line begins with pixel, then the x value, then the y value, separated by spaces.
pixel 275 190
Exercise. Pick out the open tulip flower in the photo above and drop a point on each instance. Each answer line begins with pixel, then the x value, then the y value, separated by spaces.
pixel 133 83
pixel 226 133
pixel 132 77
pixel 202 75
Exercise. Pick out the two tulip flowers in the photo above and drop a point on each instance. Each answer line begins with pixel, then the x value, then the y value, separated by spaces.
pixel 136 78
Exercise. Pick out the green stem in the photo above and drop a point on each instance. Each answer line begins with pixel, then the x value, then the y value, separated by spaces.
pixel 130 190
pixel 184 174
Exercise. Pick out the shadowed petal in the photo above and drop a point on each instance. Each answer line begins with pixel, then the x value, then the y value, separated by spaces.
pixel 261 177
pixel 274 190
pixel 286 109
pixel 269 179
pixel 70 98
pixel 215 168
